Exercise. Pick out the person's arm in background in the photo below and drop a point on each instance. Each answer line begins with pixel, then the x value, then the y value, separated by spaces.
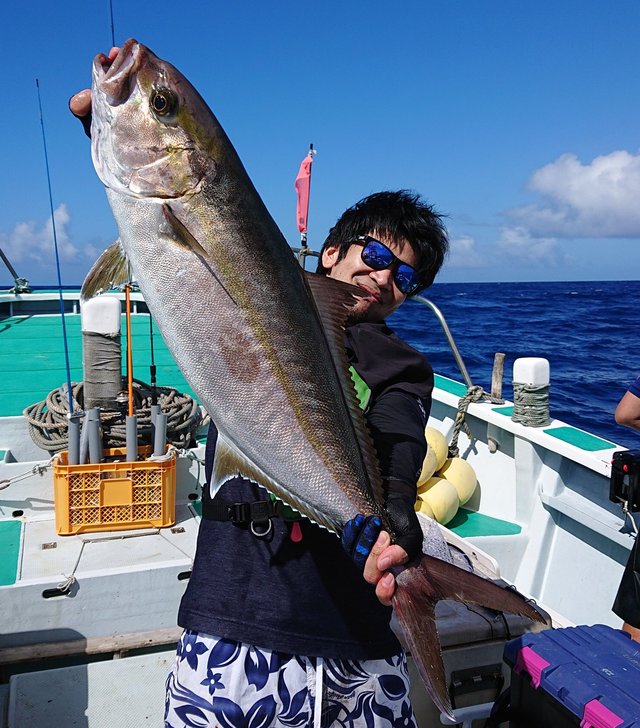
pixel 628 410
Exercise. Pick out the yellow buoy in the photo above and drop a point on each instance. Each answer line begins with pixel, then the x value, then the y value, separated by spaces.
pixel 442 497
pixel 429 466
pixel 463 477
pixel 423 507
pixel 438 443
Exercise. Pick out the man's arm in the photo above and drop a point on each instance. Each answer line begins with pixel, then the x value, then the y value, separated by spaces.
pixel 628 411
pixel 397 421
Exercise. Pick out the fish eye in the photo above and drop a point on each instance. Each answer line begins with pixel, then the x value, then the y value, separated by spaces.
pixel 164 102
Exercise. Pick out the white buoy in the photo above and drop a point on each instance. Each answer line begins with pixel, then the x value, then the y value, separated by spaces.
pixel 531 370
pixel 101 351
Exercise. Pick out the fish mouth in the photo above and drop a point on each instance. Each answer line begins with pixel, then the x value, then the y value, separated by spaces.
pixel 114 77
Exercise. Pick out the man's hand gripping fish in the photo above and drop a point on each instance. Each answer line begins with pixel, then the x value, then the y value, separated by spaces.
pixel 259 340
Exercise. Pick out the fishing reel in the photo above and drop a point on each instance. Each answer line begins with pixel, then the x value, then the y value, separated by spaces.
pixel 624 485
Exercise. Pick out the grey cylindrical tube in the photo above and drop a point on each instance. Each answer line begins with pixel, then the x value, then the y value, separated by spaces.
pixel 74 440
pixel 155 411
pixel 95 441
pixel 83 456
pixel 132 438
pixel 160 435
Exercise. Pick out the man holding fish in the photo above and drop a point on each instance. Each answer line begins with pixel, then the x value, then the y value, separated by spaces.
pixel 283 592
pixel 280 627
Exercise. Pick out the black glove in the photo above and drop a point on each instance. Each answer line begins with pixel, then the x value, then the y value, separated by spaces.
pixel 359 536
pixel 407 531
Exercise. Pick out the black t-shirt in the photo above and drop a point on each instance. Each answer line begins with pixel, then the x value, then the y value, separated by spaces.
pixel 307 597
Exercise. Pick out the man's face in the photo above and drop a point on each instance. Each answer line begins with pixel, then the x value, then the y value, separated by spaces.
pixel 385 297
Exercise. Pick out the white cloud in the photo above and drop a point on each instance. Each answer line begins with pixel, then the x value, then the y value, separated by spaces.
pixel 29 242
pixel 518 243
pixel 464 254
pixel 594 200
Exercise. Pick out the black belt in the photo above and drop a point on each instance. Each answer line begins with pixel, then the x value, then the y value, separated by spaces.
pixel 257 514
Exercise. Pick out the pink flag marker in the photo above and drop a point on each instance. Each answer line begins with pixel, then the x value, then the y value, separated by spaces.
pixel 303 188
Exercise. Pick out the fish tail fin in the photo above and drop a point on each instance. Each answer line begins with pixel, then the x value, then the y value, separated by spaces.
pixel 419 587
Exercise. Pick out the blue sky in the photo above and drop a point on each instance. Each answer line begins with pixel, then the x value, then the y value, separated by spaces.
pixel 520 121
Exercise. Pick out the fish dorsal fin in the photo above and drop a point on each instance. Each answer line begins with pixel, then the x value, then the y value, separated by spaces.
pixel 230 462
pixel 112 269
pixel 334 299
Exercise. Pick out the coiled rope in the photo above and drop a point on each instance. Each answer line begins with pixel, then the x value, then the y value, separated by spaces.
pixel 48 424
pixel 531 404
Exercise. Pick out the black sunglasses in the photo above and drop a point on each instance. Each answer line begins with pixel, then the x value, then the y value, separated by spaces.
pixel 378 256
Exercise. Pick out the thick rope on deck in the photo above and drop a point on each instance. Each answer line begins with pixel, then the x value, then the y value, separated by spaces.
pixel 48 424
pixel 531 404
pixel 473 395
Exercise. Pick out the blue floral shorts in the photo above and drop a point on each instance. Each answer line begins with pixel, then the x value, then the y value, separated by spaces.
pixel 219 682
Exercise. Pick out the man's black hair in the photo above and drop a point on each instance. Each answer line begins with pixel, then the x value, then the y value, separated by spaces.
pixel 394 216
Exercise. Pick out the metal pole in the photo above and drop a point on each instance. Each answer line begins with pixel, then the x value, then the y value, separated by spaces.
pixel 447 333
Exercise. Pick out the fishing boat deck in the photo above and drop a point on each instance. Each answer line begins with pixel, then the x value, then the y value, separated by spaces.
pixel 32 356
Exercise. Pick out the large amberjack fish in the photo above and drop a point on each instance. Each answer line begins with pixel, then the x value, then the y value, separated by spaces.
pixel 259 340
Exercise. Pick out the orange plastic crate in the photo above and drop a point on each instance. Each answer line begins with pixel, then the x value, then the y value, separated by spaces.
pixel 114 495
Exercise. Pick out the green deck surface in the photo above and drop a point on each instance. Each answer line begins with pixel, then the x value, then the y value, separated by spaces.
pixel 470 523
pixel 32 359
pixel 10 532
pixel 580 438
pixel 506 411
pixel 450 385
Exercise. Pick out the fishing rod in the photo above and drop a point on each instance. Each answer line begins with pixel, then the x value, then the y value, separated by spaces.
pixel 113 35
pixel 57 255
pixel 152 366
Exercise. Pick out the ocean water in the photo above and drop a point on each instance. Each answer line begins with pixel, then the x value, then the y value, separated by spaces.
pixel 587 330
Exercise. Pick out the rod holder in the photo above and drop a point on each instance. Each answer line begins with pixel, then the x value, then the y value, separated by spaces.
pixel 95 440
pixel 132 438
pixel 74 439
pixel 160 435
pixel 83 455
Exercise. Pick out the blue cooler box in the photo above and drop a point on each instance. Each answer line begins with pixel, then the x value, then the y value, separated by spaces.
pixel 577 676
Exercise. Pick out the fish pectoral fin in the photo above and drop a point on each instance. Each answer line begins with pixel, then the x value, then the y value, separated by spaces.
pixel 419 588
pixel 110 270
pixel 181 234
